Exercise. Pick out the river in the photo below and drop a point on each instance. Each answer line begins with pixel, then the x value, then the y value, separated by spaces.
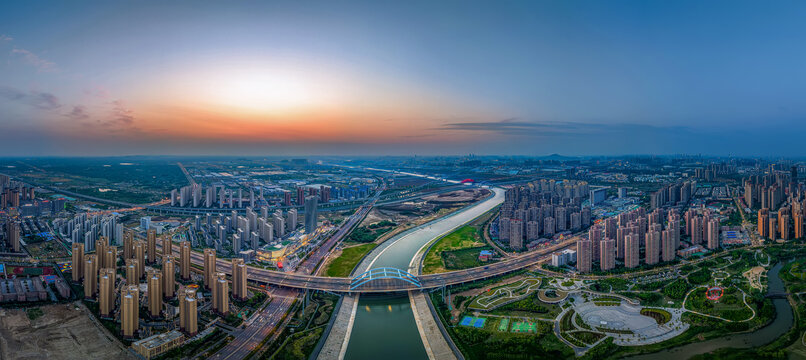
pixel 384 326
pixel 782 323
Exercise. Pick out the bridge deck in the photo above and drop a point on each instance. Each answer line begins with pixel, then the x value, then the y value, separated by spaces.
pixel 386 284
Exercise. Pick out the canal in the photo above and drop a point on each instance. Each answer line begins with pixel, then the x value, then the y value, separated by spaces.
pixel 384 326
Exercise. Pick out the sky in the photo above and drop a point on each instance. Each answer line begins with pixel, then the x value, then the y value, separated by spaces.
pixel 534 77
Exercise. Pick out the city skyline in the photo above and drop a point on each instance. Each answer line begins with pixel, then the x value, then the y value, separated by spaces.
pixel 524 78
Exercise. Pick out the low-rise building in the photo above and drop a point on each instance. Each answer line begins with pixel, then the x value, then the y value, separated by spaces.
pixel 156 345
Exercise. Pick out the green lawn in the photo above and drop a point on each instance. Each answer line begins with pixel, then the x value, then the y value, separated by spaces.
pixel 343 265
pixel 729 306
pixel 465 237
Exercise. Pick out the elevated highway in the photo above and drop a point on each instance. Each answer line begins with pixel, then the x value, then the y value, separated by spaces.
pixel 391 283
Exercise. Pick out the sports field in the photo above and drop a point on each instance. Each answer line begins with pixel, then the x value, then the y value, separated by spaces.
pixel 473 321
pixel 520 327
pixel 503 325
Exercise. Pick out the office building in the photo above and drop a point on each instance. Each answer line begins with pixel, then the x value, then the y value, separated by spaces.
pixel 311 213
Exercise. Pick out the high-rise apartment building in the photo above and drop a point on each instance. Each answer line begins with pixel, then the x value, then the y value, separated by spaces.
pixel 220 293
pixel 209 268
pixel 129 310
pixel 167 246
pixel 184 260
pixel 239 279
pixel 151 246
pixel 131 272
pixel 100 250
pixel 631 251
pixel 78 261
pixel 607 258
pixel 13 235
pixel 140 255
pixel 110 257
pixel 128 244
pixel 652 247
pixel 188 316
pixel 90 275
pixel 516 234
pixel 106 292
pixel 667 245
pixel 584 256
pixel 168 277
pixel 154 293
pixel 713 234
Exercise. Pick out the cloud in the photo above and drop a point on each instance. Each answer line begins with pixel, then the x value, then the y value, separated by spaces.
pixel 121 114
pixel 39 100
pixel 513 126
pixel 79 112
pixel 4 38
pixel 509 126
pixel 34 60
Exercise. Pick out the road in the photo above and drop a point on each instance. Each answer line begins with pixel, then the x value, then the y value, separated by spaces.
pixel 262 324
pixel 302 280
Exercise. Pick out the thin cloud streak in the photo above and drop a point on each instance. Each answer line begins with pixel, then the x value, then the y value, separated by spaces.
pixel 513 126
pixel 35 99
pixel 34 60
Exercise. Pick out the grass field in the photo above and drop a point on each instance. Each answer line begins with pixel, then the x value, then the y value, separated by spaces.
pixel 730 306
pixel 463 258
pixel 343 265
pixel 465 237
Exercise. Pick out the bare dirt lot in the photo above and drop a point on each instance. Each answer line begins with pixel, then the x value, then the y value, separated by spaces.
pixel 61 333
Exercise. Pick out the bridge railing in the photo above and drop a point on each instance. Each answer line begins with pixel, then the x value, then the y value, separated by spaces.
pixel 384 273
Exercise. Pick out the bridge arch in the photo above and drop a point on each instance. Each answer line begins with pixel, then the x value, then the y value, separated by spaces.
pixel 384 273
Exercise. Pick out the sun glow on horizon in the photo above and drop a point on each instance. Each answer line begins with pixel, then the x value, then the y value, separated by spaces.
pixel 266 91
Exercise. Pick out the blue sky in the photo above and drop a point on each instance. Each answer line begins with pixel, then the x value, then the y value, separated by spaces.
pixel 414 77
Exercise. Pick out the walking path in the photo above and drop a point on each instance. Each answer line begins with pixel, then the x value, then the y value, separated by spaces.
pixel 336 344
pixel 434 342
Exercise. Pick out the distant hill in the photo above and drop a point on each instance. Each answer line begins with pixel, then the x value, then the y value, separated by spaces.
pixel 557 157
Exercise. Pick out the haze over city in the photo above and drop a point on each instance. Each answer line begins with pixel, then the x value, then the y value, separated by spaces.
pixel 422 77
